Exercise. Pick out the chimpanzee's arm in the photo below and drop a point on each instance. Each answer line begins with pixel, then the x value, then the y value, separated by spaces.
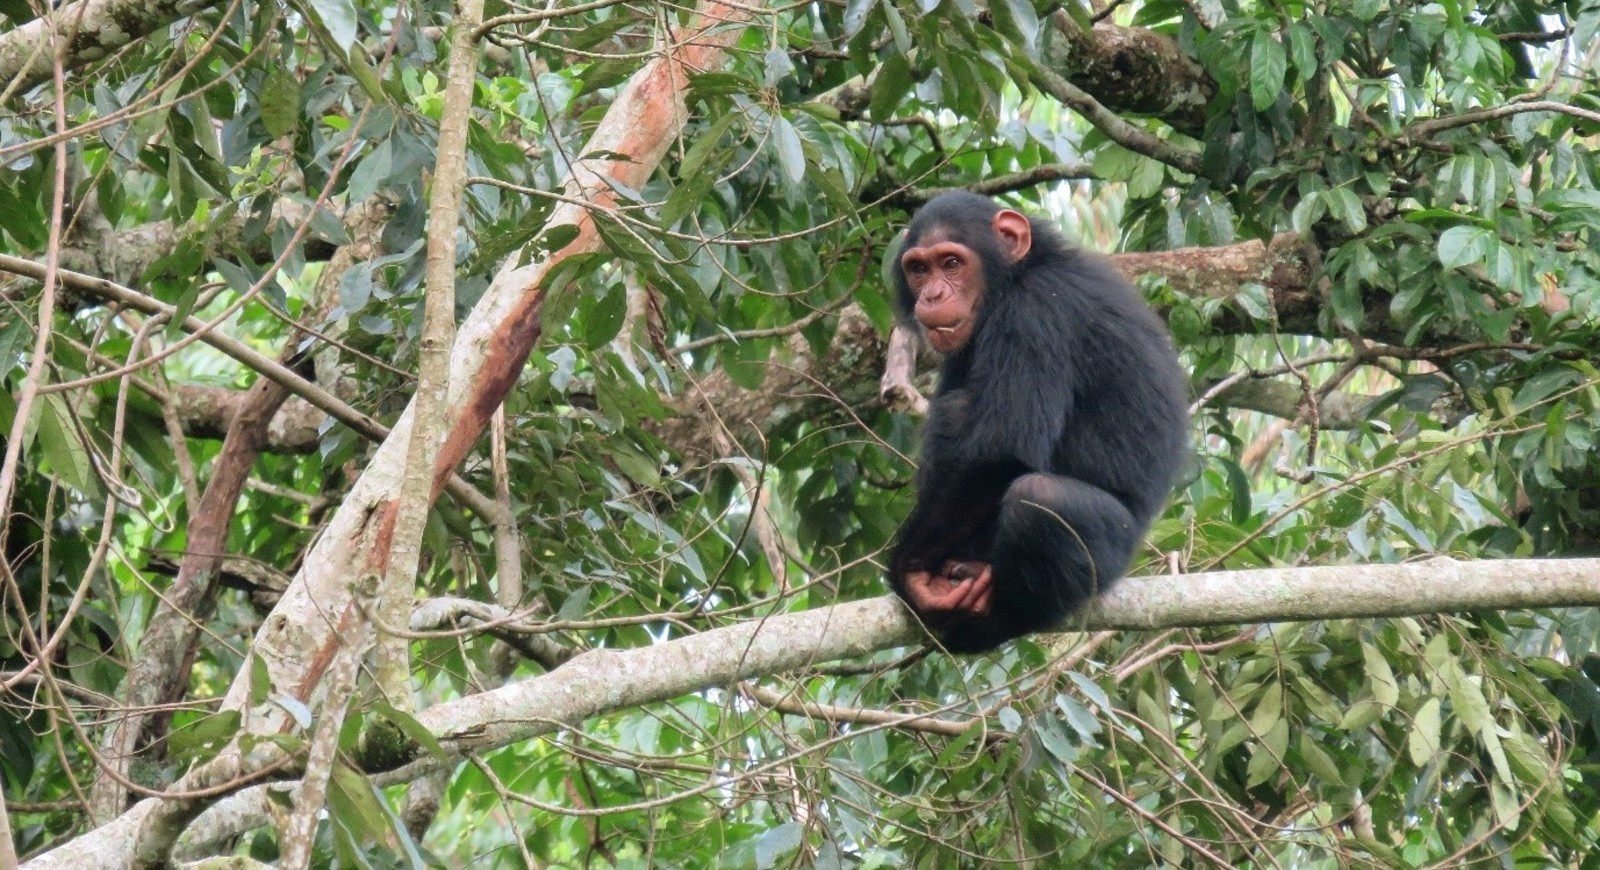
pixel 954 517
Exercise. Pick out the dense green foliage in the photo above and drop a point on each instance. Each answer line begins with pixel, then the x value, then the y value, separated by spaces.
pixel 1437 161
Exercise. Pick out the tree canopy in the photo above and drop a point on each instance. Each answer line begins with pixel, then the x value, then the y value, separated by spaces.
pixel 442 434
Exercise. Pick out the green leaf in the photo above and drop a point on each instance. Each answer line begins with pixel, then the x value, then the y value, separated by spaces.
pixel 1461 246
pixel 778 67
pixel 891 86
pixel 371 173
pixel 1267 68
pixel 205 736
pixel 1424 740
pixel 639 468
pixel 1018 21
pixel 339 17
pixel 1346 206
pixel 1079 717
pixel 193 154
pixel 1318 761
pixel 1380 677
pixel 1307 212
pixel 1266 755
pixel 1092 691
pixel 184 306
pixel 551 240
pixel 1347 304
pixel 603 320
pixel 63 451
pixel 576 605
pixel 897 28
pixel 1239 485
pixel 703 145
pixel 1303 51
pixel 1114 163
pixel 855 16
pixel 280 102
pixel 1361 715
pixel 1466 699
pixel 1269 709
pixel 746 362
pixel 791 154
pixel 354 805
pixel 238 278
pixel 260 681
pixel 776 843
pixel 1507 808
pixel 1055 740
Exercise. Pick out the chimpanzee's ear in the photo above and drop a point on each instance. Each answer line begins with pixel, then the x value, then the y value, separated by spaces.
pixel 1014 232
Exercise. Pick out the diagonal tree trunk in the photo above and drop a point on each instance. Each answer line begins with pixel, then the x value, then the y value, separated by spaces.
pixel 487 358
pixel 161 669
pixel 302 635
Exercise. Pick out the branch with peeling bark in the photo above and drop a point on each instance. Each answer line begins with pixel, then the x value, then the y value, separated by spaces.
pixel 895 389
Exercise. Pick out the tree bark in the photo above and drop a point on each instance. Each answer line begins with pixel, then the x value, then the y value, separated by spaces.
pixel 92 29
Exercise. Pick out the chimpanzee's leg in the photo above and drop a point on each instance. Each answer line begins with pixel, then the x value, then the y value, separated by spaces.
pixel 1059 541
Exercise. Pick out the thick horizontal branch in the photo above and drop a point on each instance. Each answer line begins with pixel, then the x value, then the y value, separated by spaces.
pixel 1285 265
pixel 1438 585
pixel 604 681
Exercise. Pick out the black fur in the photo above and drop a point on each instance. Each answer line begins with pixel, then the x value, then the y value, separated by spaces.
pixel 1054 438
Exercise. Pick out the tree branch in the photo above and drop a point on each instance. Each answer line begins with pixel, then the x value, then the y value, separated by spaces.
pixel 603 681
pixel 91 29
pixel 1339 411
pixel 1430 128
pixel 994 185
pixel 1116 128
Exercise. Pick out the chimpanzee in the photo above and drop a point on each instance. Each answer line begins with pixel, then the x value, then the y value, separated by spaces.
pixel 1056 432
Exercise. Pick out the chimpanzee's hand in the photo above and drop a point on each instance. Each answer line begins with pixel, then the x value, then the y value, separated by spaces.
pixel 959 591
